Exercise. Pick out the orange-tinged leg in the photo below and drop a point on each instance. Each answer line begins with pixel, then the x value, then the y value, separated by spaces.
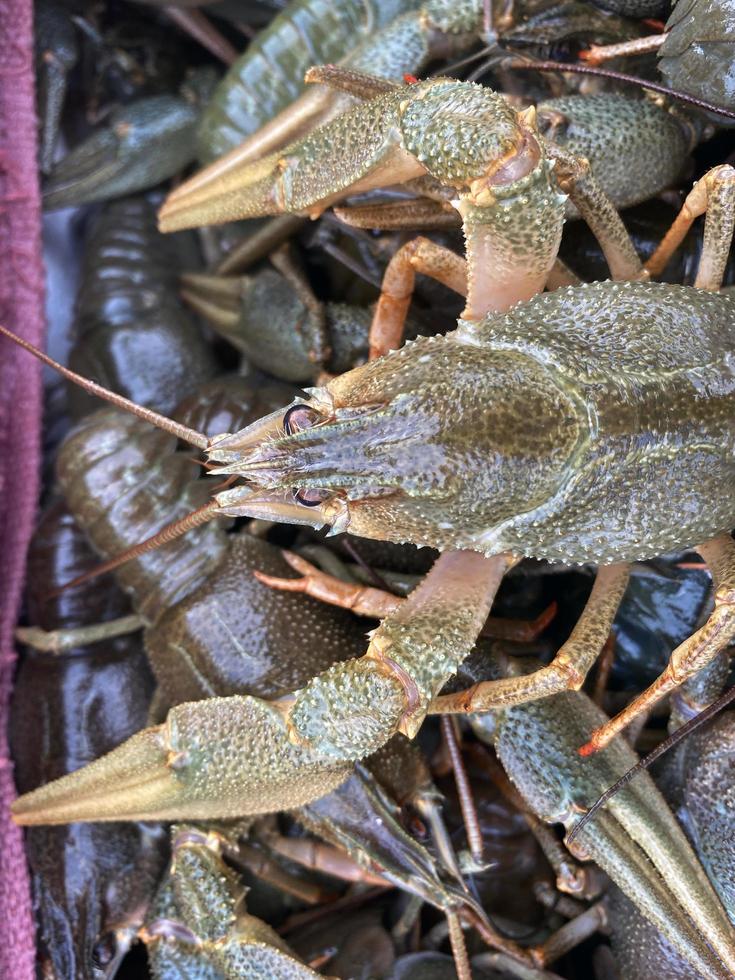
pixel 713 194
pixel 319 856
pixel 361 599
pixel 519 630
pixel 570 666
pixel 365 600
pixel 693 654
pixel 267 869
pixel 418 255
pixel 597 54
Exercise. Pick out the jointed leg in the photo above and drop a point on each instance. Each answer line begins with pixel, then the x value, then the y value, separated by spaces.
pixel 57 641
pixel 326 858
pixel 571 664
pixel 576 178
pixel 464 790
pixel 365 600
pixel 571 934
pixel 572 878
pixel 696 652
pixel 713 194
pixel 361 599
pixel 419 255
pixel 597 54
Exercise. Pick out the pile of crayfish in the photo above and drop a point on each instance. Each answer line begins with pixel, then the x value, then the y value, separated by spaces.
pixel 403 532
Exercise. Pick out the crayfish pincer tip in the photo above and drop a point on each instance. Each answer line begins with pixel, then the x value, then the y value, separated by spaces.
pixel 125 784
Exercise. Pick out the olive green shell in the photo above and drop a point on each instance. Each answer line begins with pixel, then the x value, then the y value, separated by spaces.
pixel 269 75
pixel 698 56
pixel 593 423
pixel 636 148
pixel 652 367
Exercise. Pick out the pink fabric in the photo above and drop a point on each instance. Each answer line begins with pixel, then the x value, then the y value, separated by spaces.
pixel 21 309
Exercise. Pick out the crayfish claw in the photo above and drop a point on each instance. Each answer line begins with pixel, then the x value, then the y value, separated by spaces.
pixel 121 785
pixel 143 143
pixel 219 758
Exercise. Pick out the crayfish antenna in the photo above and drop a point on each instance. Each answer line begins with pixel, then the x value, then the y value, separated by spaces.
pixel 618 76
pixel 168 533
pixel 191 436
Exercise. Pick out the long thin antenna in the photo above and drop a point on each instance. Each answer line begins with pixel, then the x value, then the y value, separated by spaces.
pixel 620 77
pixel 449 71
pixel 191 436
pixel 668 743
pixel 170 532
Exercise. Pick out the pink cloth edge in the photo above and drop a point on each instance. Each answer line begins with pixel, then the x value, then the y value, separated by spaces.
pixel 21 309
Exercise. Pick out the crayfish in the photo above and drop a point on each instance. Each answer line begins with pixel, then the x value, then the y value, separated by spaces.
pixel 589 424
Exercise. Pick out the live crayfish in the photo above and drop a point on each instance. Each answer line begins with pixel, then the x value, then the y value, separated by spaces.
pixel 223 632
pixel 328 717
pixel 378 398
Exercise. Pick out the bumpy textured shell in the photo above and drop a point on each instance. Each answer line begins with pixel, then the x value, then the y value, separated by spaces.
pixel 636 148
pixel 652 367
pixel 640 949
pixel 709 798
pixel 270 73
pixel 593 423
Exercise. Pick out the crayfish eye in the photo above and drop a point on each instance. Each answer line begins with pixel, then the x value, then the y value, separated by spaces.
pixel 104 950
pixel 299 417
pixel 310 497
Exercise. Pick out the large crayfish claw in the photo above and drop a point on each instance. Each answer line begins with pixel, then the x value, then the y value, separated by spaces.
pixel 213 759
pixel 141 144
pixel 388 140
pixel 635 839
